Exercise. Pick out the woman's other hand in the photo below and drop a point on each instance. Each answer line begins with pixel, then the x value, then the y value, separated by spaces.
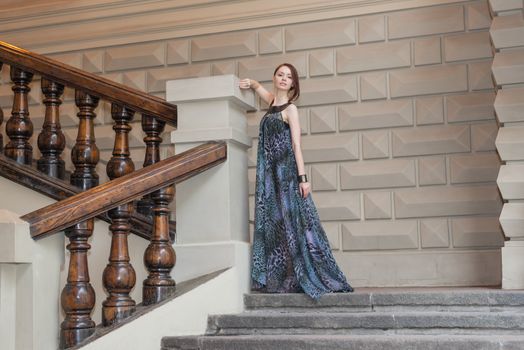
pixel 305 189
pixel 244 83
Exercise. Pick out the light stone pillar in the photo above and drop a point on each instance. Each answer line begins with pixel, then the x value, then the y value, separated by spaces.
pixel 212 206
pixel 507 35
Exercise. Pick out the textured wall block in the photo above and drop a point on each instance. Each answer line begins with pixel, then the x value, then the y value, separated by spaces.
pixel 479 75
pixel 474 168
pixel 431 140
pixel 223 68
pixel 270 40
pixel 476 232
pixel 135 56
pixel 434 233
pixel 429 110
pixel 509 105
pixel 432 171
pixel 321 62
pixel 467 46
pixel 7 95
pixel 381 114
pixel 373 56
pixel 156 78
pixel 444 201
pixel 135 79
pixel 510 143
pixel 477 15
pixel 253 122
pixel 483 137
pixel 323 119
pixel 178 51
pixel 375 144
pixel 72 59
pixel 325 148
pixel 337 205
pixel 324 177
pixel 377 205
pixel 505 5
pixel 508 67
pixel 371 28
pixel 320 34
pixel 469 107
pixel 93 61
pixel 262 68
pixel 507 31
pixel 426 21
pixel 332 230
pixel 427 51
pixel 251 180
pixel 512 219
pixel 373 86
pixel 226 45
pixel 511 181
pixel 328 90
pixel 377 174
pixel 252 154
pixel 428 80
pixel 379 235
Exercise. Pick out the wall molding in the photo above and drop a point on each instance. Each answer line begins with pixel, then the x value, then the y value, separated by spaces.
pixel 62 25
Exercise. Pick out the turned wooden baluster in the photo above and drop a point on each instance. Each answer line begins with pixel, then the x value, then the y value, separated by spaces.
pixel 119 275
pixel 19 127
pixel 159 257
pixel 153 128
pixel 1 121
pixel 78 296
pixel 51 140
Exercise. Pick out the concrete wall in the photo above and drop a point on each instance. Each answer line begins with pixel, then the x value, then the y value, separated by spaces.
pixel 396 109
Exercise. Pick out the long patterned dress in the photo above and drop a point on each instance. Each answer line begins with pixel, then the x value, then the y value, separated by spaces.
pixel 291 252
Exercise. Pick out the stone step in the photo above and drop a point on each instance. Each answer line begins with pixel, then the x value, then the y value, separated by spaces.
pixel 344 342
pixel 474 300
pixel 259 322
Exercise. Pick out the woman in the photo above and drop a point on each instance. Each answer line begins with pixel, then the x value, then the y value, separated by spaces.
pixel 291 252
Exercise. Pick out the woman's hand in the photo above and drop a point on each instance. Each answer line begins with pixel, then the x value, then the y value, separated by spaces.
pixel 305 189
pixel 244 83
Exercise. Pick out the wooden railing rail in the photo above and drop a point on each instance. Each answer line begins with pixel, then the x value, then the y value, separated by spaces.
pixel 85 205
pixel 90 83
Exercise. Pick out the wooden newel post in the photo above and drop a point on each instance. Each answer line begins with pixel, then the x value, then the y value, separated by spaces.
pixel 1 121
pixel 19 127
pixel 51 140
pixel 119 275
pixel 159 257
pixel 153 128
pixel 78 296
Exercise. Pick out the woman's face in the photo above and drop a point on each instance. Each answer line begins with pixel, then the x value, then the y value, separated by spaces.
pixel 282 80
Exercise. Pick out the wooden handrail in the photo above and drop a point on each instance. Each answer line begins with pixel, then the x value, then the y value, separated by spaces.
pixel 88 204
pixel 59 189
pixel 88 82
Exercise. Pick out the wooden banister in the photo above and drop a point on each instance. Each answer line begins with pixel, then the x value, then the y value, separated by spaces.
pixel 88 82
pixel 88 204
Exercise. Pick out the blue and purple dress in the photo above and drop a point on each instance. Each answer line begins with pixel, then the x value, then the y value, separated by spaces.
pixel 291 252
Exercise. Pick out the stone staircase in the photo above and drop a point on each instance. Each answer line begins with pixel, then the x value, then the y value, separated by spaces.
pixel 369 319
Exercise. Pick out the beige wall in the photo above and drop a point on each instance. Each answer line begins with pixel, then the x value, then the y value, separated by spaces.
pixel 396 109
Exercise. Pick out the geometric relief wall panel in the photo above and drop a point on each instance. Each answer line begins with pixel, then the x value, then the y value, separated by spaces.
pixel 377 205
pixel 483 136
pixel 324 177
pixel 262 68
pixel 381 114
pixel 325 148
pixel 373 56
pixel 467 46
pixel 479 75
pixel 444 201
pixel 157 78
pixel 434 233
pixel 377 174
pixel 270 40
pixel 512 219
pixel 223 46
pixel 508 67
pixel 320 34
pixel 511 180
pixel 509 105
pixel 429 110
pixel 337 205
pixel 432 171
pixel 476 232
pixel 135 56
pixel 178 51
pixel 478 16
pixel 321 62
pixel 375 144
pixel 425 21
pixel 381 235
pixel 508 31
pixel 474 168
pixel 328 90
pixel 323 119
pixel 371 28
pixel 428 80
pixel 427 51
pixel 373 86
pixel 431 140
pixel 473 106
pixel 510 143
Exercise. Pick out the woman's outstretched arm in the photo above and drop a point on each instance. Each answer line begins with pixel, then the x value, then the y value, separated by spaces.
pixel 257 87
